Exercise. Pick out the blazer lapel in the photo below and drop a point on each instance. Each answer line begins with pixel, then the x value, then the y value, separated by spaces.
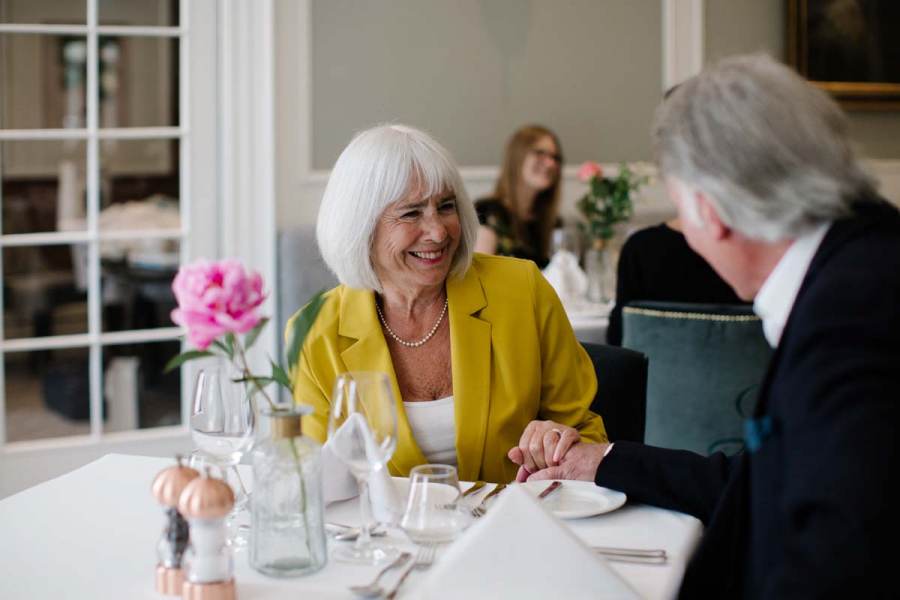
pixel 369 352
pixel 470 354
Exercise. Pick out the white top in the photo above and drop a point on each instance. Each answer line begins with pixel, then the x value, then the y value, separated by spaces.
pixel 775 298
pixel 433 424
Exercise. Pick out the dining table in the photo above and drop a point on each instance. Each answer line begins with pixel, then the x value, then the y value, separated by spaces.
pixel 93 533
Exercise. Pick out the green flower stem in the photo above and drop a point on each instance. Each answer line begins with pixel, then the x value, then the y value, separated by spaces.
pixel 244 367
pixel 303 510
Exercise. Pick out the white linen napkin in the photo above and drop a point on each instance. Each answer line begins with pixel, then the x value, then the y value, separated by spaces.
pixel 338 482
pixel 519 550
pixel 566 277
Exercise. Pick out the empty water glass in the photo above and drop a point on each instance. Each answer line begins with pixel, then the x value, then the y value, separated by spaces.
pixel 433 513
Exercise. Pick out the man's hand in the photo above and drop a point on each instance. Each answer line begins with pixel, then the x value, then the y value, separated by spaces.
pixel 580 462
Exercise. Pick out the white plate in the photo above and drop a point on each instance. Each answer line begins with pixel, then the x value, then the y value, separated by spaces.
pixel 577 499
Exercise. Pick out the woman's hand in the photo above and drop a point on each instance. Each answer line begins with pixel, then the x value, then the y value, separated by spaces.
pixel 543 444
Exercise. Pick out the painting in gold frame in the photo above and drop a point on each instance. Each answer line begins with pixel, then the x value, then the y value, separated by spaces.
pixel 851 48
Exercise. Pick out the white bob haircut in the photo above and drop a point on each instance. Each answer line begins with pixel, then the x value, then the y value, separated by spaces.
pixel 770 151
pixel 380 166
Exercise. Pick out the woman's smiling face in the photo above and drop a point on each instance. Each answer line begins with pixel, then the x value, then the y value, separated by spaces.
pixel 415 241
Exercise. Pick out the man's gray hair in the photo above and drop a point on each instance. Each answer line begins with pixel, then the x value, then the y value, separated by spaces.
pixel 770 150
pixel 379 167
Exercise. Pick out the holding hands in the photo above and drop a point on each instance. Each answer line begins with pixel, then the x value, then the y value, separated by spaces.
pixel 548 450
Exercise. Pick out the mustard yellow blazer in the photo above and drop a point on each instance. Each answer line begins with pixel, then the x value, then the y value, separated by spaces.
pixel 514 358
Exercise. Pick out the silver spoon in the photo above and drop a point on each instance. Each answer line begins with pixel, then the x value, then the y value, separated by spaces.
pixel 373 590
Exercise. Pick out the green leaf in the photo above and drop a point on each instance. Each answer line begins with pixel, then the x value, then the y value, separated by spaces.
pixel 229 352
pixel 280 375
pixel 300 326
pixel 254 333
pixel 229 343
pixel 177 361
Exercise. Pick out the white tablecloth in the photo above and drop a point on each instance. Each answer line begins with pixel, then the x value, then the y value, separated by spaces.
pixel 92 533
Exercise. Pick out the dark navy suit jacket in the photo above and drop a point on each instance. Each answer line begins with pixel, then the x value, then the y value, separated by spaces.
pixel 810 508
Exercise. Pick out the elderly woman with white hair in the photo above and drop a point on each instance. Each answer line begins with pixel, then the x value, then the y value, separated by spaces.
pixel 476 346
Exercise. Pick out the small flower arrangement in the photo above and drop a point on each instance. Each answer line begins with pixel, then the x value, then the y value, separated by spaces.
pixel 608 200
pixel 218 305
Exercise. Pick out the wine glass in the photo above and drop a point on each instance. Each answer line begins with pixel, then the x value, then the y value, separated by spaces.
pixel 362 433
pixel 222 424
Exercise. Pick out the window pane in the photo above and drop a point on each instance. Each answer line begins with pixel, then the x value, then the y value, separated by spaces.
pixel 137 283
pixel 43 185
pixel 138 169
pixel 70 12
pixel 47 394
pixel 44 290
pixel 137 395
pixel 42 81
pixel 138 82
pixel 138 12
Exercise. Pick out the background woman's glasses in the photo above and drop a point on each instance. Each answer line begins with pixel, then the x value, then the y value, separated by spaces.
pixel 548 155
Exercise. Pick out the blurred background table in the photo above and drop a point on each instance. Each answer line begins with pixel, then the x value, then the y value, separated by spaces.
pixel 590 320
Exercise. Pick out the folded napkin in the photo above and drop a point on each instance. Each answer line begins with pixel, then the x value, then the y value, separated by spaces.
pixel 519 550
pixel 338 482
pixel 566 277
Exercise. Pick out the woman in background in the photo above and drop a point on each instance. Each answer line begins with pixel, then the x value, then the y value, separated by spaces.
pixel 518 220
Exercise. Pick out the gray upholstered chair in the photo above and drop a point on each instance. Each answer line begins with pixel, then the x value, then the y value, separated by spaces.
pixel 706 364
pixel 301 271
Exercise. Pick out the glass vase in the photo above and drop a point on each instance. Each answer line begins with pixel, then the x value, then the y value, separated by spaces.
pixel 598 268
pixel 287 534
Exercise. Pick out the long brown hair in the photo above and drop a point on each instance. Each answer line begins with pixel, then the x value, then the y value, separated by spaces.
pixel 546 203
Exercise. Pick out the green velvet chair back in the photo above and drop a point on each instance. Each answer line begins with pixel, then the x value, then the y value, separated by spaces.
pixel 706 364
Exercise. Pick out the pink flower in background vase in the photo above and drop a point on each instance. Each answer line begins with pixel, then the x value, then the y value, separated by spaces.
pixel 589 170
pixel 215 298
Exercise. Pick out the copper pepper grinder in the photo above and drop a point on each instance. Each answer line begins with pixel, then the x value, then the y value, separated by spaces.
pixel 167 488
pixel 208 566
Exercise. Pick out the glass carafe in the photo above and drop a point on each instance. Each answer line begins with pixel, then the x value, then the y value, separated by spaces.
pixel 287 534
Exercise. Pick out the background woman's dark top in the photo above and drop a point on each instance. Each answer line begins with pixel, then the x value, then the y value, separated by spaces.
pixel 656 263
pixel 493 215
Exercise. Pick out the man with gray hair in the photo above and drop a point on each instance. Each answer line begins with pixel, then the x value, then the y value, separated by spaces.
pixel 760 167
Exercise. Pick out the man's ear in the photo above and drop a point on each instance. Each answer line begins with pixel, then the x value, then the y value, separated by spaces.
pixel 710 217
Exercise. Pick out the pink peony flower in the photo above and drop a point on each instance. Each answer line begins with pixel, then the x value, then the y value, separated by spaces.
pixel 215 298
pixel 589 170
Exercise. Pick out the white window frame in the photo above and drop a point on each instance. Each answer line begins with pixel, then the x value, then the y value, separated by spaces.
pixel 225 133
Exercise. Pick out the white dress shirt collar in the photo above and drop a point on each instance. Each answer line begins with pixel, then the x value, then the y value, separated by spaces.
pixel 775 299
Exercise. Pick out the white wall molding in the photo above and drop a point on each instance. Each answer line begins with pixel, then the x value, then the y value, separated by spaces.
pixel 247 148
pixel 682 40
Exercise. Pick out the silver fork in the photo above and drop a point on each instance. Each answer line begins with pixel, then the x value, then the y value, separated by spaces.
pixel 424 559
pixel 373 590
pixel 481 509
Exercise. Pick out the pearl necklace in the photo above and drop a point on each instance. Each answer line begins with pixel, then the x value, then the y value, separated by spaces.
pixel 404 342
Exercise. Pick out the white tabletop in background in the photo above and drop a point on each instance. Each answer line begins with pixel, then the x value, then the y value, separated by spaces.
pixel 92 533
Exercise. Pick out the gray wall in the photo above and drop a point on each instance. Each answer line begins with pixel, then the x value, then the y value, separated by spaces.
pixel 738 26
pixel 472 71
